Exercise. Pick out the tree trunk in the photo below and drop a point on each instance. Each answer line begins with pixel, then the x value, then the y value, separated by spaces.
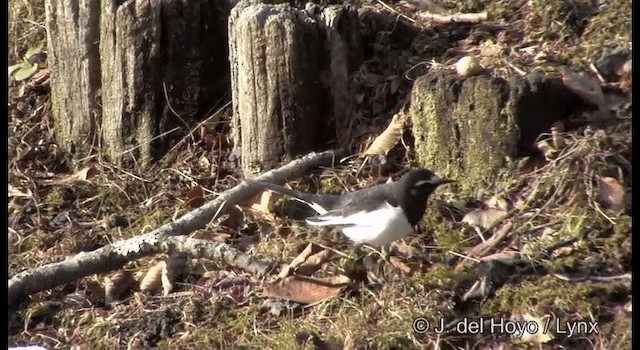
pixel 74 59
pixel 160 66
pixel 289 78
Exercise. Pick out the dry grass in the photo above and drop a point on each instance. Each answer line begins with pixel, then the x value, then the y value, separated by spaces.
pixel 568 245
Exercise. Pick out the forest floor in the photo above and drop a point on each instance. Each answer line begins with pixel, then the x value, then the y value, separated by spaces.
pixel 563 259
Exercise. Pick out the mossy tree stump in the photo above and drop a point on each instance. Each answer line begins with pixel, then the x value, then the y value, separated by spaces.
pixel 473 129
pixel 129 76
pixel 289 77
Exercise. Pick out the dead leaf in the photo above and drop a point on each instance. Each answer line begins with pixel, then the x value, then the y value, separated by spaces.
pixel 116 284
pixel 624 72
pixel 405 249
pixel 195 197
pixel 611 193
pixel 265 204
pixel 541 336
pixel 397 262
pixel 221 237
pixel 175 266
pixel 499 202
pixel 152 279
pixel 491 49
pixel 261 205
pixel 484 218
pixel 204 162
pixel 83 174
pixel 389 137
pixel 313 263
pixel 14 192
pixel 287 269
pixel 306 290
pixel 584 86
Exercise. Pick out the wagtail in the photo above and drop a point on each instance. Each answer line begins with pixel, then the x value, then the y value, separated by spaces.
pixel 376 215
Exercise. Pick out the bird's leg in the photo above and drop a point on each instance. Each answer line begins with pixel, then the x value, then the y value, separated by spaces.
pixel 385 252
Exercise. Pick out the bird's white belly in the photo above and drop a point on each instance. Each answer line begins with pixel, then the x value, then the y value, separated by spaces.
pixel 381 230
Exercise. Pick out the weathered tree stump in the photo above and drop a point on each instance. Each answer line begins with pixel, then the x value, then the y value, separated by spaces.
pixel 160 65
pixel 74 58
pixel 289 78
pixel 472 130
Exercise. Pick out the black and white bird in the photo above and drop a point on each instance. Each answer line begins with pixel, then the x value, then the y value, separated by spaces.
pixel 376 215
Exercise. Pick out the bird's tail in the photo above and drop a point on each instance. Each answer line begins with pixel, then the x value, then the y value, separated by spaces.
pixel 312 200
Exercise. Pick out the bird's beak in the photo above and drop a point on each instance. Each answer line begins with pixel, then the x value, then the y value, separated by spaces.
pixel 439 181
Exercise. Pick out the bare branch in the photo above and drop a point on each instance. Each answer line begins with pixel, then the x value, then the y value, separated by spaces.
pixel 119 253
pixel 455 18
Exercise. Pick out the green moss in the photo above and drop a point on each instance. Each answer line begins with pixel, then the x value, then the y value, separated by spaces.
pixel 442 276
pixel 609 29
pixel 618 332
pixel 488 132
pixel 549 293
pixel 468 135
pixel 54 198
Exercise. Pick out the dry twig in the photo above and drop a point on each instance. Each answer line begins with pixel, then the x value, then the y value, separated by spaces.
pixel 116 255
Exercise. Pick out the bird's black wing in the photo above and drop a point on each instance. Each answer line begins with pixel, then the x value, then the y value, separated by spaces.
pixel 368 202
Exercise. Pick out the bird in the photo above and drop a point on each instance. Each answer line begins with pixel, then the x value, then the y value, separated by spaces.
pixel 376 215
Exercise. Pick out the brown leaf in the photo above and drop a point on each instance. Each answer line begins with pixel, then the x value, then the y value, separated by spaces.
pixel 484 218
pixel 611 193
pixel 584 86
pixel 116 284
pixel 313 263
pixel 265 203
pixel 405 249
pixel 15 192
pixel 389 137
pixel 175 266
pixel 261 205
pixel 152 279
pixel 195 197
pixel 83 174
pixel 397 262
pixel 287 269
pixel 221 237
pixel 306 290
pixel 624 72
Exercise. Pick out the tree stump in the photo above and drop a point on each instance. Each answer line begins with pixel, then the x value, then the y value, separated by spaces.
pixel 289 78
pixel 471 130
pixel 74 59
pixel 160 65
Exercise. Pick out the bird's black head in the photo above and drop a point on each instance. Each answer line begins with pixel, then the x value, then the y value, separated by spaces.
pixel 414 189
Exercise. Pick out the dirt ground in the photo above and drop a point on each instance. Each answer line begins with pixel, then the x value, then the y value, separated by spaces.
pixel 561 265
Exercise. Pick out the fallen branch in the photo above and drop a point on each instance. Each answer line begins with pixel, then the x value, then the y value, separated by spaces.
pixel 116 255
pixel 455 18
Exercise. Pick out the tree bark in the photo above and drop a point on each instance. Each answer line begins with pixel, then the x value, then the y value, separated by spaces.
pixel 472 129
pixel 74 59
pixel 276 63
pixel 160 66
pixel 290 71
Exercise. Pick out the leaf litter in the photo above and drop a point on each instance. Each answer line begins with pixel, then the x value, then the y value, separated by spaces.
pixel 545 188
